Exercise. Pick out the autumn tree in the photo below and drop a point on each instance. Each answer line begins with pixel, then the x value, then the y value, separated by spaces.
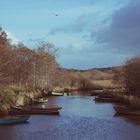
pixel 22 66
pixel 44 66
pixel 23 63
pixel 85 84
pixel 7 58
pixel 132 76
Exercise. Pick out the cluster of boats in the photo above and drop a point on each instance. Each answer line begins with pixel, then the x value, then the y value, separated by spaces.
pixel 103 96
pixel 120 107
pixel 19 114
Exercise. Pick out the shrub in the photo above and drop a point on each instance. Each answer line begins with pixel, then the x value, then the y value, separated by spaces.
pixel 132 76
pixel 85 84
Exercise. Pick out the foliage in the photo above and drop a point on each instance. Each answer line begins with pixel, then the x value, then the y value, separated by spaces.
pixel 22 66
pixel 85 84
pixel 132 76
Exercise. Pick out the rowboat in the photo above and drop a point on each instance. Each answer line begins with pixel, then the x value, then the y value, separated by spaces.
pixel 35 110
pixel 57 94
pixel 107 99
pixel 97 92
pixel 40 101
pixel 105 96
pixel 14 119
pixel 122 110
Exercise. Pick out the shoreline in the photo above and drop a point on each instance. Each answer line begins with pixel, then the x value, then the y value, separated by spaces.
pixel 25 98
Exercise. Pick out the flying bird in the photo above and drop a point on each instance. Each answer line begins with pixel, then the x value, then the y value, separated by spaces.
pixel 56 15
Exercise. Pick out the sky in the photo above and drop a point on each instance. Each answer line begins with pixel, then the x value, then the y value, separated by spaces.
pixel 88 33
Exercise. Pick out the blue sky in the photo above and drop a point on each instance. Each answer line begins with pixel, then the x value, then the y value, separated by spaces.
pixel 88 33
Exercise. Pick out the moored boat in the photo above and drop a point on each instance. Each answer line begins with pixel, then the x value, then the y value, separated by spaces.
pixel 122 110
pixel 40 101
pixel 105 96
pixel 57 94
pixel 35 110
pixel 13 119
pixel 107 99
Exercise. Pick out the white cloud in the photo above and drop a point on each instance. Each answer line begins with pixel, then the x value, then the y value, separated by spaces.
pixel 14 39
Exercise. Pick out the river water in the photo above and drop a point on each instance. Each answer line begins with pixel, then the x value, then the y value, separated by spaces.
pixel 80 119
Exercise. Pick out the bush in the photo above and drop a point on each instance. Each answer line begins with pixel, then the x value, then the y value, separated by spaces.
pixel 4 109
pixel 132 76
pixel 85 84
pixel 66 90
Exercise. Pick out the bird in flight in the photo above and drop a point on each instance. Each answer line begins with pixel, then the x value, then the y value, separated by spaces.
pixel 56 15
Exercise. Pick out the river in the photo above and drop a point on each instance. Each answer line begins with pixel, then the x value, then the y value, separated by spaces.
pixel 80 119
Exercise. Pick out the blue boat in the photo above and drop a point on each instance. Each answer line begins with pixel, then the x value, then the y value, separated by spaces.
pixel 14 119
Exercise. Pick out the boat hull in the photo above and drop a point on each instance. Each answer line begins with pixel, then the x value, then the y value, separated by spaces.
pixel 14 119
pixel 35 111
pixel 121 110
pixel 40 101
pixel 107 99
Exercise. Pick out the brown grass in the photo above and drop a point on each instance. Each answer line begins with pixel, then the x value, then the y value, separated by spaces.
pixel 104 84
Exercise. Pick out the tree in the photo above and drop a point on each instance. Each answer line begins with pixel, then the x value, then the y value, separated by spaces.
pixel 3 38
pixel 7 58
pixel 85 84
pixel 118 77
pixel 132 76
pixel 23 63
pixel 44 66
pixel 23 66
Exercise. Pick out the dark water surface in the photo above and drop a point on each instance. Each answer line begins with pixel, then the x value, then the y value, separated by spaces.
pixel 80 119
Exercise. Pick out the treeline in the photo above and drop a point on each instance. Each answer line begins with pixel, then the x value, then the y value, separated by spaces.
pixel 32 68
pixel 37 69
pixel 92 79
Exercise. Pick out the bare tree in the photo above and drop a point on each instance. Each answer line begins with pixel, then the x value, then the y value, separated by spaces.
pixel 132 76
pixel 44 66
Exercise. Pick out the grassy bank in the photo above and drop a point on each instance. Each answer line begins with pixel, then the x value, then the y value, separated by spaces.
pixel 93 85
pixel 15 95
pixel 129 100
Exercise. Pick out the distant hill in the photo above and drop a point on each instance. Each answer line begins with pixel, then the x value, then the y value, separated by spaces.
pixel 92 69
pixel 92 74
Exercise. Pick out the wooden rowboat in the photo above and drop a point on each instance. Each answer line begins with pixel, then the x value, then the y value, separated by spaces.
pixel 35 110
pixel 14 119
pixel 107 99
pixel 56 94
pixel 122 110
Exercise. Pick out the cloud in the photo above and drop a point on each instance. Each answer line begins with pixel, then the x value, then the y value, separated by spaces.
pixel 14 39
pixel 102 32
pixel 83 18
pixel 84 61
pixel 123 34
pixel 80 24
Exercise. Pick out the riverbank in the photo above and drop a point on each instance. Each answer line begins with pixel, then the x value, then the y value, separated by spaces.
pixel 15 95
pixel 119 95
pixel 129 100
pixel 19 96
